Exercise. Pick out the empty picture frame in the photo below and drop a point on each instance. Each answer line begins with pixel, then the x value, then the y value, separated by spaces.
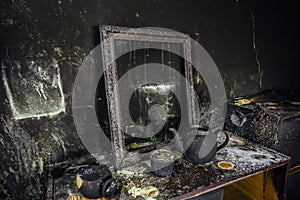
pixel 137 47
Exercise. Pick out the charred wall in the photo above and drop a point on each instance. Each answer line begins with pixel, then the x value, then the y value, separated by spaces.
pixel 253 43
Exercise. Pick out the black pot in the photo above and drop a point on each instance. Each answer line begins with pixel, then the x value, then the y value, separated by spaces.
pixel 199 143
pixel 204 146
pixel 97 182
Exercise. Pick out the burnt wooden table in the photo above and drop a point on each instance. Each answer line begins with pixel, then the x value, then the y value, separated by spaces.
pixel 258 173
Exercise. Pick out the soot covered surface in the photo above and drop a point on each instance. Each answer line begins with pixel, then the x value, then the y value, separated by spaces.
pixel 187 179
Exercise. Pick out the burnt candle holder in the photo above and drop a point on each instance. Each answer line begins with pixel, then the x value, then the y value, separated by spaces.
pixel 162 162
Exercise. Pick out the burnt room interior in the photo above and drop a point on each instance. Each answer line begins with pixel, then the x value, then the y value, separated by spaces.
pixel 129 69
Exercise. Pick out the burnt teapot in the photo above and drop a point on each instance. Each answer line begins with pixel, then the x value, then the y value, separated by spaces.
pixel 198 143
pixel 96 181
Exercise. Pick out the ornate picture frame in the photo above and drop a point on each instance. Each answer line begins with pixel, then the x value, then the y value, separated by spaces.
pixel 108 36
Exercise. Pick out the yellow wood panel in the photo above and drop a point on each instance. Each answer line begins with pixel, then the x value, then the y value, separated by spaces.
pixel 258 187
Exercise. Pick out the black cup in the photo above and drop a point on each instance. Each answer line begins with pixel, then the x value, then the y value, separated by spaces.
pixel 162 162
